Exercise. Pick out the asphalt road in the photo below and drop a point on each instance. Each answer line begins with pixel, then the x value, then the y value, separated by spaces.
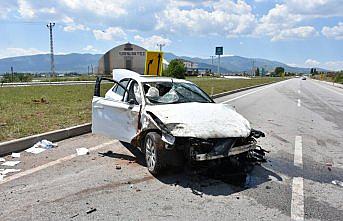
pixel 303 122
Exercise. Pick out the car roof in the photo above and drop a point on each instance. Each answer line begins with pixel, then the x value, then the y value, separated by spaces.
pixel 119 74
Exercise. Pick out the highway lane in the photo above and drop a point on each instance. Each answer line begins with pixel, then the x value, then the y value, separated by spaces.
pixel 68 189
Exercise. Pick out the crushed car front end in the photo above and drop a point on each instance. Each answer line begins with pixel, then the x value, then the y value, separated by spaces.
pixel 200 150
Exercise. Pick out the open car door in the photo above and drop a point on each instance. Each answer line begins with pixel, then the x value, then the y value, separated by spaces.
pixel 114 118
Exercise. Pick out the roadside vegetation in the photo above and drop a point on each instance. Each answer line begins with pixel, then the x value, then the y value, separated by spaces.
pixel 31 110
pixel 331 77
pixel 76 78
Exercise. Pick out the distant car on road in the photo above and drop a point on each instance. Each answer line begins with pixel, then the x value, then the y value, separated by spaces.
pixel 303 78
pixel 171 121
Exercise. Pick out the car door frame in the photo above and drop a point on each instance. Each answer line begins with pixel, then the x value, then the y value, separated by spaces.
pixel 112 118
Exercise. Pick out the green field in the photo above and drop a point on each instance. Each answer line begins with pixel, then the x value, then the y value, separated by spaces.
pixel 26 111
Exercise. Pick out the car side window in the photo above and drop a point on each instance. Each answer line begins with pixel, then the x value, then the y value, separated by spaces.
pixel 118 89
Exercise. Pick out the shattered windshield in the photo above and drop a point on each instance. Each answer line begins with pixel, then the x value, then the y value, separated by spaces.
pixel 174 92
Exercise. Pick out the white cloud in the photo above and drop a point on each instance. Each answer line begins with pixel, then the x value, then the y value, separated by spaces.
pixel 223 17
pixel 75 27
pixel 151 42
pixel 329 65
pixel 104 8
pixel 67 19
pixel 334 65
pixel 335 32
pixel 311 63
pixel 295 33
pixel 315 8
pixel 13 52
pixel 25 9
pixel 90 48
pixel 109 34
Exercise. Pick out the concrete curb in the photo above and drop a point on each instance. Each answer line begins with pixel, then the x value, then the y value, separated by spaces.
pixel 57 135
pixel 338 85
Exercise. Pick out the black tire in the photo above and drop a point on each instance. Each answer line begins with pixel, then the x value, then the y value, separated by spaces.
pixel 154 153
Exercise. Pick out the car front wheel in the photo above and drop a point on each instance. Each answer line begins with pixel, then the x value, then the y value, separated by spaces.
pixel 154 152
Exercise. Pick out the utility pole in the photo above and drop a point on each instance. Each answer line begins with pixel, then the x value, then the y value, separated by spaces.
pixel 88 70
pixel 52 64
pixel 12 73
pixel 219 65
pixel 253 67
pixel 160 46
pixel 212 56
pixel 92 68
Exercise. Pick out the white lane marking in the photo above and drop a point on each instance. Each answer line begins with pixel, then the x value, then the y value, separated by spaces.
pixel 297 204
pixel 298 152
pixel 319 84
pixel 252 92
pixel 297 208
pixel 52 163
pixel 299 103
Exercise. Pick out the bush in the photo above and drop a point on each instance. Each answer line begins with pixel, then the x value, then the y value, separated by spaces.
pixel 176 69
pixel 339 78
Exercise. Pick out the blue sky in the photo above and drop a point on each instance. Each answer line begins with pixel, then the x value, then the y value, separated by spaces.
pixel 306 33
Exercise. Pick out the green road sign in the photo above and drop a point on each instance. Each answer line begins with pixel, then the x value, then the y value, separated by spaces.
pixel 219 50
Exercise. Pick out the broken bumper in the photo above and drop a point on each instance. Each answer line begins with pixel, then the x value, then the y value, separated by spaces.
pixel 233 151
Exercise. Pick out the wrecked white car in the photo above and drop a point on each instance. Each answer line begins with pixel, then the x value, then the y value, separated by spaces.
pixel 171 121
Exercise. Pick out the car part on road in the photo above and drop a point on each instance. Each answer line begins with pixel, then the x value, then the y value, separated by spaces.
pixel 15 155
pixel 337 183
pixel 10 163
pixel 82 151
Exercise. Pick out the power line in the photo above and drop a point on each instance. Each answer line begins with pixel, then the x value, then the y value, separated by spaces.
pixel 212 56
pixel 52 64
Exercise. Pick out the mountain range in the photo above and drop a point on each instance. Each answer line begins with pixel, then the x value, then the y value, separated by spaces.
pixel 75 62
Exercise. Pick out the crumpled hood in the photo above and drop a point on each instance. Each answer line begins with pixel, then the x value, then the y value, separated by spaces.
pixel 201 120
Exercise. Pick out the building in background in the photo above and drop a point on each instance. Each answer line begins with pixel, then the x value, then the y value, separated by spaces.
pixel 127 56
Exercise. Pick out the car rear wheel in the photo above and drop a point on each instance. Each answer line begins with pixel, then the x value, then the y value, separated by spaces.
pixel 154 152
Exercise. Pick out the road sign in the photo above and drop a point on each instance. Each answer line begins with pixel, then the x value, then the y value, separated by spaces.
pixel 219 50
pixel 153 63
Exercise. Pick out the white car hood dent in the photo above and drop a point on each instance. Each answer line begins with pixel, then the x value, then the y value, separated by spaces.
pixel 201 120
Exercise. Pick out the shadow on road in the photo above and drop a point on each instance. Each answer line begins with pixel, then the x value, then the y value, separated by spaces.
pixel 221 179
pixel 138 156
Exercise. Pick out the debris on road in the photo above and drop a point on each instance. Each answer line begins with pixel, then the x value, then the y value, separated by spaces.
pixel 337 183
pixel 2 177
pixel 10 163
pixel 198 193
pixel 35 150
pixel 91 210
pixel 41 146
pixel 82 151
pixel 46 144
pixel 2 159
pixel 15 155
pixel 6 171
pixel 74 216
pixel 118 167
pixel 329 165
